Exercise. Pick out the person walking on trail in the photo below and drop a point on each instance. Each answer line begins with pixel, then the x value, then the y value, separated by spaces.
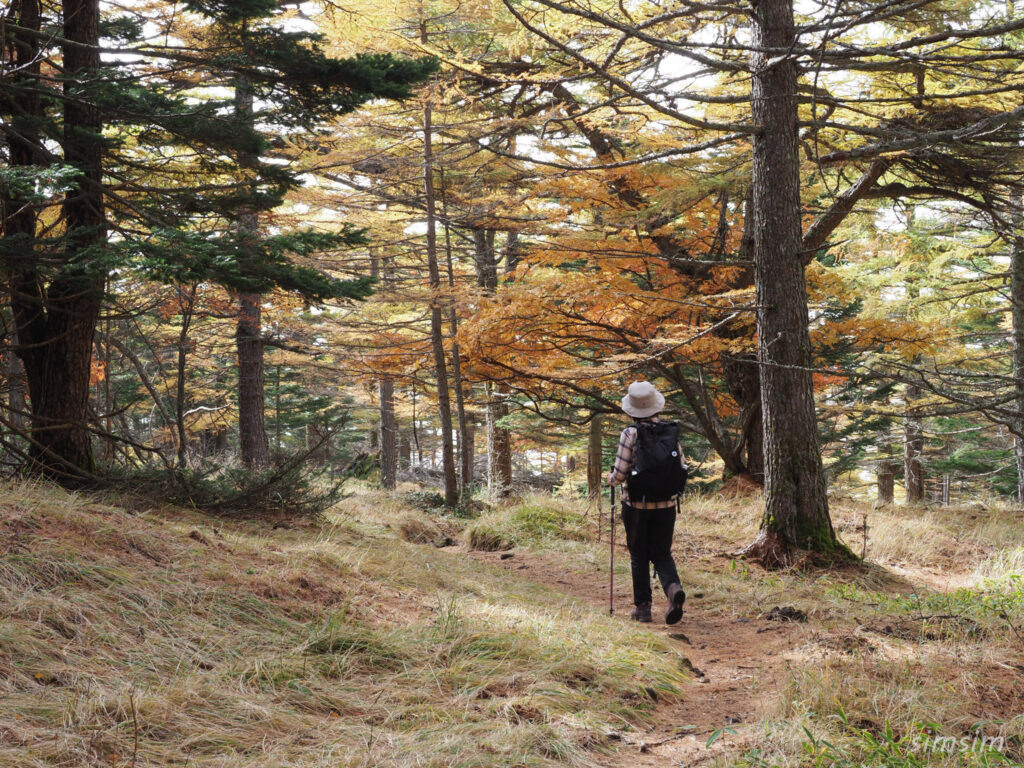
pixel 651 465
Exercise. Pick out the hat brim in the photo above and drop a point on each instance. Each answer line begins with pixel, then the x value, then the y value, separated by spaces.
pixel 643 413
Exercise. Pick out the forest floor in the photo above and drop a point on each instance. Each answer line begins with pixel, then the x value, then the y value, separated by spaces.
pixel 737 666
pixel 393 634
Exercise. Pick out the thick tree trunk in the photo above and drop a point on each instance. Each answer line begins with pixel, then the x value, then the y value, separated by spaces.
pixel 19 217
pixel 913 446
pixel 252 432
pixel 595 470
pixel 404 452
pixel 499 443
pixel 444 408
pixel 485 258
pixel 388 433
pixel 56 325
pixel 318 441
pixel 14 379
pixel 742 377
pixel 796 506
pixel 252 429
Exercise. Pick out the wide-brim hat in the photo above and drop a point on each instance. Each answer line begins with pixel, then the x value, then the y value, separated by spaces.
pixel 642 400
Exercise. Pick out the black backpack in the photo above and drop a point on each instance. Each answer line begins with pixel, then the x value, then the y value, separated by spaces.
pixel 657 474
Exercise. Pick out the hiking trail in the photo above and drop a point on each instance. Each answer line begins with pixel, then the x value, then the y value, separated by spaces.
pixel 738 664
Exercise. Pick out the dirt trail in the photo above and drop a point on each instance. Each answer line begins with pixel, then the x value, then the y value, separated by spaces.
pixel 738 664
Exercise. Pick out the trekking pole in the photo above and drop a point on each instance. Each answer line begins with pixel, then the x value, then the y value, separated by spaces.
pixel 611 567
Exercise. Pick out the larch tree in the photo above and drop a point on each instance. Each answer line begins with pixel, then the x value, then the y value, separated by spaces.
pixel 788 109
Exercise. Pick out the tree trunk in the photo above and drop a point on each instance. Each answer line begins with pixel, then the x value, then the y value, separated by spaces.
pixel 186 301
pixel 14 378
pixel 513 251
pixel 56 323
pixel 796 506
pixel 451 487
pixel 404 452
pixel 1017 309
pixel 485 259
pixel 913 446
pixel 465 436
pixel 469 457
pixel 388 433
pixel 886 480
pixel 499 444
pixel 252 432
pixel 743 379
pixel 318 441
pixel 595 470
pixel 252 429
pixel 499 441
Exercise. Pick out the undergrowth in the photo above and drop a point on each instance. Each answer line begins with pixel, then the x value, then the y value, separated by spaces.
pixel 163 637
pixel 536 522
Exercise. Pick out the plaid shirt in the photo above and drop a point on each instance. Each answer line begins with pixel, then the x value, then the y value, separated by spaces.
pixel 623 465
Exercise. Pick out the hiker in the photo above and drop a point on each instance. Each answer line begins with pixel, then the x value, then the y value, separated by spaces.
pixel 651 464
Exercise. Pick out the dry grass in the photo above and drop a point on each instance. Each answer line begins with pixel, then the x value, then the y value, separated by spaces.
pixel 232 644
pixel 925 639
pixel 353 644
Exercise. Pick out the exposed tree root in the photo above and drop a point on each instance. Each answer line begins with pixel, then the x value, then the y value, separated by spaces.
pixel 772 552
pixel 769 550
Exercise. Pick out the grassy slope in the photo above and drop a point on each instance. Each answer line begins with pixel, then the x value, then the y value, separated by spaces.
pixel 165 638
pixel 233 644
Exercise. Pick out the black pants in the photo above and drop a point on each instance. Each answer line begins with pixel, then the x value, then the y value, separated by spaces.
pixel 649 538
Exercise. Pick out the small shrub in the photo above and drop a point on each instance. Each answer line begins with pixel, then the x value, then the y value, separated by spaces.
pixel 533 522
pixel 425 501
pixel 418 530
pixel 484 536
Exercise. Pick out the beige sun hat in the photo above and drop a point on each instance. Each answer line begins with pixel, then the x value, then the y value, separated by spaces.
pixel 642 400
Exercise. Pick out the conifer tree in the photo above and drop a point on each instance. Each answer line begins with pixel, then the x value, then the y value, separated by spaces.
pixel 172 217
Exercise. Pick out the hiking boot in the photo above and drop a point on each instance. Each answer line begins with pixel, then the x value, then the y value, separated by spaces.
pixel 676 598
pixel 641 613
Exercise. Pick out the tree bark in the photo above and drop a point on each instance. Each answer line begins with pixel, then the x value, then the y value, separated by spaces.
pixel 404 452
pixel 1017 310
pixel 499 441
pixel 465 434
pixel 388 433
pixel 485 259
pixel 913 446
pixel 513 251
pixel 886 481
pixel 56 323
pixel 186 301
pixel 594 456
pixel 14 378
pixel 796 506
pixel 451 487
pixel 252 432
pixel 252 429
